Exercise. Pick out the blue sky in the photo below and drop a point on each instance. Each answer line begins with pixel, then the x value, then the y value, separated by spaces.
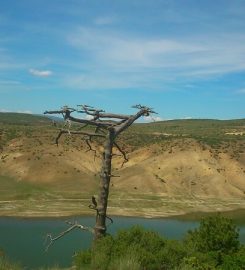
pixel 186 59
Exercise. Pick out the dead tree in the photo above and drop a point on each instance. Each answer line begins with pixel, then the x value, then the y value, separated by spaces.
pixel 107 126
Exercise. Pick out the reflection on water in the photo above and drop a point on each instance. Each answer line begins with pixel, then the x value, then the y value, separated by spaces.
pixel 23 240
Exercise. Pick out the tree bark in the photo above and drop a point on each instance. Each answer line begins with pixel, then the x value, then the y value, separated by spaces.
pixel 108 126
pixel 105 177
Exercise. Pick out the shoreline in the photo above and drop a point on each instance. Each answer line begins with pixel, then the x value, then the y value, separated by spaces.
pixel 144 206
pixel 196 214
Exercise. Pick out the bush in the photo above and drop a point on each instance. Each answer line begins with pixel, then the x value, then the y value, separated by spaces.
pixel 5 264
pixel 82 259
pixel 147 246
pixel 235 261
pixel 135 248
pixel 128 262
pixel 215 234
pixel 214 245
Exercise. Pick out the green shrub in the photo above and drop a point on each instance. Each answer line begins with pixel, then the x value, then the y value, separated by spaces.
pixel 5 264
pixel 172 254
pixel 215 234
pixel 147 246
pixel 82 259
pixel 128 262
pixel 135 248
pixel 214 245
pixel 195 263
pixel 235 261
pixel 102 253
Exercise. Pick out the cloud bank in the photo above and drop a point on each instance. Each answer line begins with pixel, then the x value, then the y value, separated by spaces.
pixel 137 61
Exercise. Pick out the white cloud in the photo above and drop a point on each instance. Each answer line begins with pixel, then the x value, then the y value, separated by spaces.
pixel 113 49
pixel 152 118
pixel 25 111
pixel 40 73
pixel 197 56
pixel 4 110
pixel 19 111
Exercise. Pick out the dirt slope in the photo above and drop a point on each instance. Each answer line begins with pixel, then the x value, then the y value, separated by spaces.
pixel 182 169
pixel 194 166
pixel 183 172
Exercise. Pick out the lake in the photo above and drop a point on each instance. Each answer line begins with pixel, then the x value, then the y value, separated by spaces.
pixel 23 240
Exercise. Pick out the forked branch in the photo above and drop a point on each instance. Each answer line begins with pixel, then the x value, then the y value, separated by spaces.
pixel 123 154
pixel 50 239
pixel 88 141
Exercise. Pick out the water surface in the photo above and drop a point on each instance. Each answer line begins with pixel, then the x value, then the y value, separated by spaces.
pixel 23 240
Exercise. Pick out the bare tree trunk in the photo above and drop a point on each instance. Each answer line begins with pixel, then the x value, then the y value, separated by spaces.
pixel 107 126
pixel 105 177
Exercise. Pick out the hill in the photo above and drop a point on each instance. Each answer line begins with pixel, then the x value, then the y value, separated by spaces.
pixel 174 167
pixel 22 119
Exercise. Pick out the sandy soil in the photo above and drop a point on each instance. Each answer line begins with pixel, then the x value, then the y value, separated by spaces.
pixel 158 180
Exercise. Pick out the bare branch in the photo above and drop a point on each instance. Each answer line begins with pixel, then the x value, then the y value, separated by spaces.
pixel 73 226
pixel 102 124
pixel 67 115
pixel 98 129
pixel 58 137
pixel 84 126
pixel 112 115
pixel 90 147
pixel 75 132
pixel 111 220
pixel 87 138
pixel 101 113
pixel 97 114
pixel 141 107
pixel 90 110
pixel 144 111
pixel 66 108
pixel 123 153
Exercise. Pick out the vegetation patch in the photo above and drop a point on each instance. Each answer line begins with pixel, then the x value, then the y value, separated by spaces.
pixel 214 245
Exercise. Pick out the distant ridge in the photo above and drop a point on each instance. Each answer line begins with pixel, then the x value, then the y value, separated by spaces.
pixel 13 118
pixel 26 118
pixel 54 118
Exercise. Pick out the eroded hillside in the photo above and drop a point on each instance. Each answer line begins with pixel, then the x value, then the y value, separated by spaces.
pixel 174 167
